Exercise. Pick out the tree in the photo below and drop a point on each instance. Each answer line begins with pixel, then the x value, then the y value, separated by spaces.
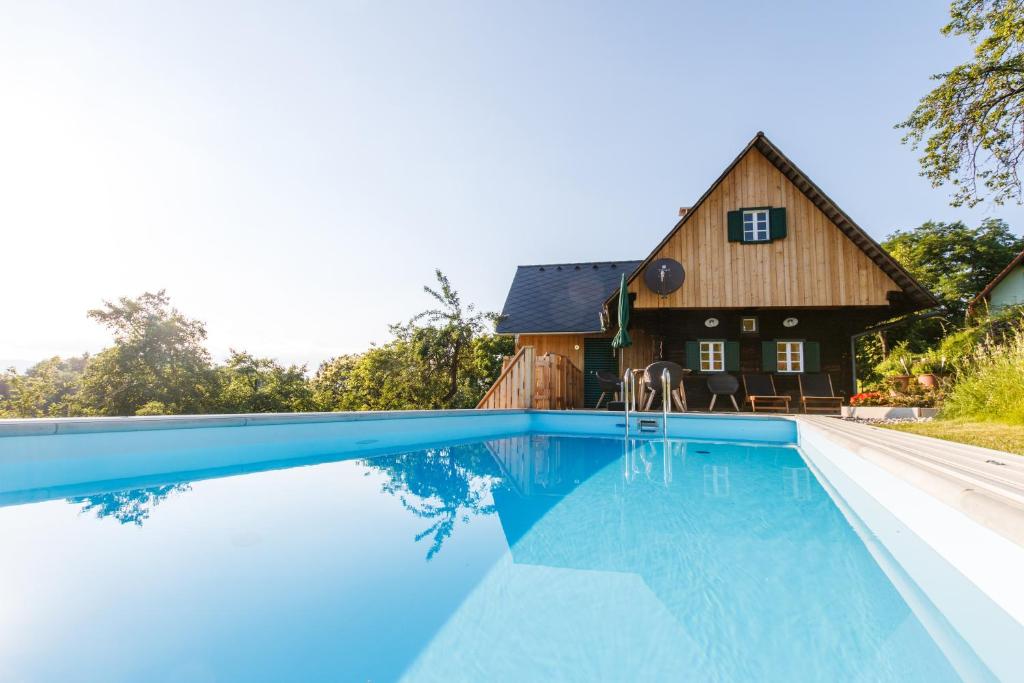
pixel 461 358
pixel 953 261
pixel 261 385
pixel 158 356
pixel 330 383
pixel 972 123
pixel 443 357
pixel 47 389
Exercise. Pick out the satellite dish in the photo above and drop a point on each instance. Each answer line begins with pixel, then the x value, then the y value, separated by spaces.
pixel 664 276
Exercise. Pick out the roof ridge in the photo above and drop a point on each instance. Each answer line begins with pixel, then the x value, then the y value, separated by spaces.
pixel 577 263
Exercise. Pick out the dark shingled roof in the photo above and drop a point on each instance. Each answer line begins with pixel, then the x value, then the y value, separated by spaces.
pixel 560 297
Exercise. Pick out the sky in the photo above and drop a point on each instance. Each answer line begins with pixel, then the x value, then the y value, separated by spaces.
pixel 292 173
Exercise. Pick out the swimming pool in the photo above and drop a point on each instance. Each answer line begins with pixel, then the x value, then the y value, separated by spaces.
pixel 510 548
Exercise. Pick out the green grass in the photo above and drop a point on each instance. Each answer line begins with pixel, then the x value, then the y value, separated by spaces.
pixel 1001 437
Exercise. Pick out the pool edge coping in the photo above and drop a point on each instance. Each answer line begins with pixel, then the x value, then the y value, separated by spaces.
pixel 50 426
pixel 972 485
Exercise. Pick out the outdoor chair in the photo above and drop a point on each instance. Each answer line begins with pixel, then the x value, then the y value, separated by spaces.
pixel 610 383
pixel 762 396
pixel 723 384
pixel 653 385
pixel 817 395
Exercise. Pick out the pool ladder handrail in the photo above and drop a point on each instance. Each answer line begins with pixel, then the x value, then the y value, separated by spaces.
pixel 666 399
pixel 627 394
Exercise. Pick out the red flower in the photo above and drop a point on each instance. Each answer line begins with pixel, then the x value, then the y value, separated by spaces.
pixel 866 396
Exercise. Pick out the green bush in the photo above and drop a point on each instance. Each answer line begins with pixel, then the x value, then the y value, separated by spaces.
pixel 989 385
pixel 897 363
pixel 154 408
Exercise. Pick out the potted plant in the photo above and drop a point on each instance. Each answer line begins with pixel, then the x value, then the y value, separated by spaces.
pixel 896 368
pixel 929 368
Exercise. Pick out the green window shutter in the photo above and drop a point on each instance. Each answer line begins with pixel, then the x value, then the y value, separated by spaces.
pixel 769 363
pixel 735 220
pixel 812 356
pixel 693 356
pixel 732 356
pixel 776 223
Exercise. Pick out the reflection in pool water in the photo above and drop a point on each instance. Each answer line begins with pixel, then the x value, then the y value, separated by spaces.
pixel 128 507
pixel 440 485
pixel 523 558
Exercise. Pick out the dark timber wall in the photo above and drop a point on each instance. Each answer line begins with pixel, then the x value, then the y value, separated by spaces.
pixel 830 328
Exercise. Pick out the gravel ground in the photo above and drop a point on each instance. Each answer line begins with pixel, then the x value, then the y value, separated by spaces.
pixel 889 420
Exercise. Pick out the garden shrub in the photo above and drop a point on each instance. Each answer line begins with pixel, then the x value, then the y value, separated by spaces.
pixel 989 385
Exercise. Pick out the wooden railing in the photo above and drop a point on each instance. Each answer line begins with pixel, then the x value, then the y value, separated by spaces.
pixel 514 386
pixel 548 382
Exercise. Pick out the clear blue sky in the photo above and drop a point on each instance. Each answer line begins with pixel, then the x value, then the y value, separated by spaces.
pixel 292 173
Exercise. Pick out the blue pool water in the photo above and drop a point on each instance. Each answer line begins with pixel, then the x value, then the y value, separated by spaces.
pixel 519 558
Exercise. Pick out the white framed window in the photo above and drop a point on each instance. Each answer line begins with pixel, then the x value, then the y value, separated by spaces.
pixel 789 356
pixel 755 225
pixel 748 325
pixel 712 356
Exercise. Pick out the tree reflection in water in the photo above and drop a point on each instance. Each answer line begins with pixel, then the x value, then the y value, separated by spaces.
pixel 128 507
pixel 442 485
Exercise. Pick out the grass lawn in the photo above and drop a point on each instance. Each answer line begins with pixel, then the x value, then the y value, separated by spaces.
pixel 1001 437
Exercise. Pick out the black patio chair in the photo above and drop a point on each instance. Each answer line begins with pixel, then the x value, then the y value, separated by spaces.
pixel 723 384
pixel 610 383
pixel 653 384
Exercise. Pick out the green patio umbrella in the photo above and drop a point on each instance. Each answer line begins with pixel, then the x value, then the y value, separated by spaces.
pixel 622 339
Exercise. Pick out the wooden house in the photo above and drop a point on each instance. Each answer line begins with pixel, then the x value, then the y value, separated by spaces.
pixel 763 273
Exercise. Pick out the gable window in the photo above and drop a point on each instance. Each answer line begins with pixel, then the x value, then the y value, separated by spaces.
pixel 789 356
pixel 755 225
pixel 712 356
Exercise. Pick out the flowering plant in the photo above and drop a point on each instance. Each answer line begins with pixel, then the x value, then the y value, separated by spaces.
pixel 867 398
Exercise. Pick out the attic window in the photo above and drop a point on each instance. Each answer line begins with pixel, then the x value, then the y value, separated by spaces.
pixel 755 225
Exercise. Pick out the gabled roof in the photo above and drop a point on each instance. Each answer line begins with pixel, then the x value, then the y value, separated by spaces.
pixel 1018 260
pixel 560 297
pixel 916 294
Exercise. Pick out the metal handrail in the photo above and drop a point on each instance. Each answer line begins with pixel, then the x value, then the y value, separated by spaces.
pixel 666 399
pixel 627 394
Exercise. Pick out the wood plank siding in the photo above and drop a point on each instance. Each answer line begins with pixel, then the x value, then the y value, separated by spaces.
pixel 636 356
pixel 815 265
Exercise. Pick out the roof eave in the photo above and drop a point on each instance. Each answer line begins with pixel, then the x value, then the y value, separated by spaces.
pixel 984 294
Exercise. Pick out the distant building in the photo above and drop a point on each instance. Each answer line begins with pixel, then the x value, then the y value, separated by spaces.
pixel 1006 289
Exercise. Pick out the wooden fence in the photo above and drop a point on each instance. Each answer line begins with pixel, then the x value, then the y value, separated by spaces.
pixel 548 382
